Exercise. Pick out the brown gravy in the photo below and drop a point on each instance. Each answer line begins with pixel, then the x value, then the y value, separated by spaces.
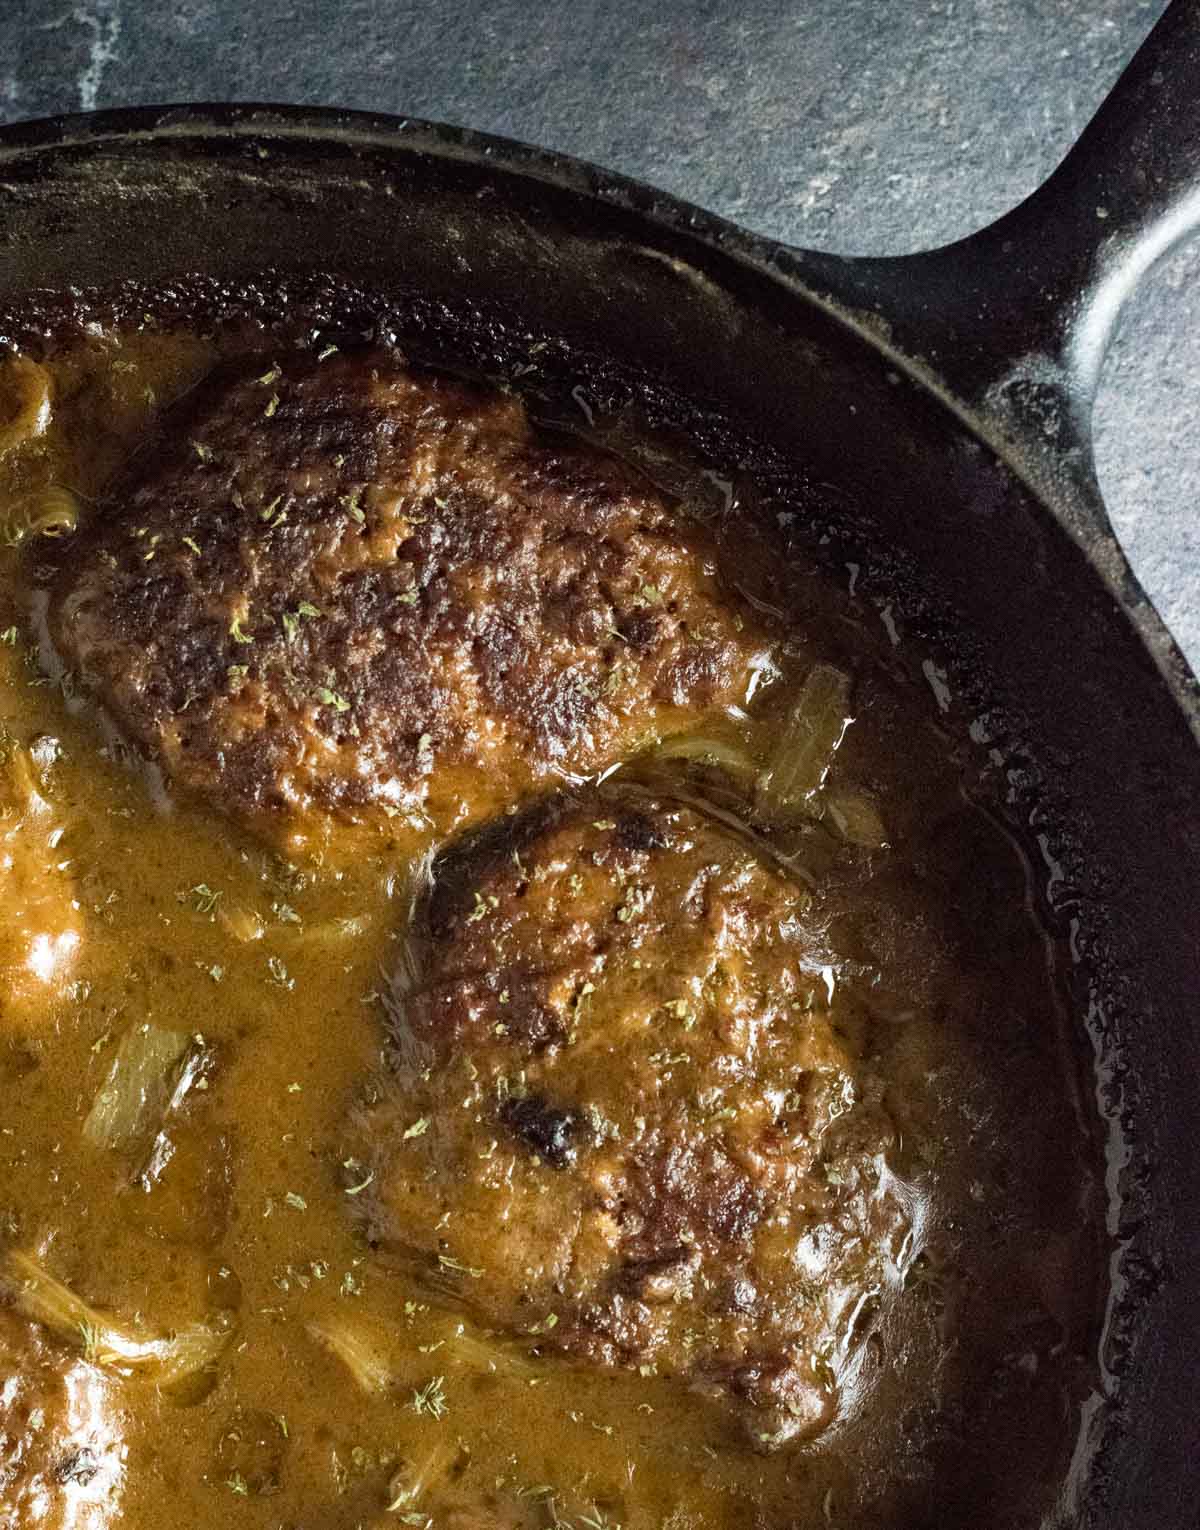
pixel 339 1389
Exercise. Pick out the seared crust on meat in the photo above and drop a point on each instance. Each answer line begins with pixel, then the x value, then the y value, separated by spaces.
pixel 621 1119
pixel 345 587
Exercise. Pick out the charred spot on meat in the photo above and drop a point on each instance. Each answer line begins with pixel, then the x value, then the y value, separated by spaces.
pixel 346 588
pixel 549 1131
pixel 620 1117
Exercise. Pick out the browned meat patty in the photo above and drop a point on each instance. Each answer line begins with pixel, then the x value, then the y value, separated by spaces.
pixel 348 587
pixel 621 1119
pixel 62 1448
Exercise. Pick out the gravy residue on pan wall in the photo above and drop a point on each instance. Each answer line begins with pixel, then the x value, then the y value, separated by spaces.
pixel 334 1386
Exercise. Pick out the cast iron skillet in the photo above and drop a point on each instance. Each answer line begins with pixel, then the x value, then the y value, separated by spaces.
pixel 942 401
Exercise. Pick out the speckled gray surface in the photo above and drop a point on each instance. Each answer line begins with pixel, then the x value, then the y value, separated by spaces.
pixel 864 126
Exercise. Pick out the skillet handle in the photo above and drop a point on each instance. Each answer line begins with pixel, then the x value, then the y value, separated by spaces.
pixel 1016 319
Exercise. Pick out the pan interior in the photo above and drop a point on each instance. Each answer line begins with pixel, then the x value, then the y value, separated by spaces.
pixel 604 313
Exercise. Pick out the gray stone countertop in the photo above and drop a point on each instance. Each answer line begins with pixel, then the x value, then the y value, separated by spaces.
pixel 860 126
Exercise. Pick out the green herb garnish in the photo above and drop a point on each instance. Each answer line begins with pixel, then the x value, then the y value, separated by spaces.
pixel 633 904
pixel 483 907
pixel 431 1399
pixel 332 699
pixel 279 973
pixel 205 898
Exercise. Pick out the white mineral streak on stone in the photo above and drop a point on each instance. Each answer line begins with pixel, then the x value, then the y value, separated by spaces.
pixel 103 20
